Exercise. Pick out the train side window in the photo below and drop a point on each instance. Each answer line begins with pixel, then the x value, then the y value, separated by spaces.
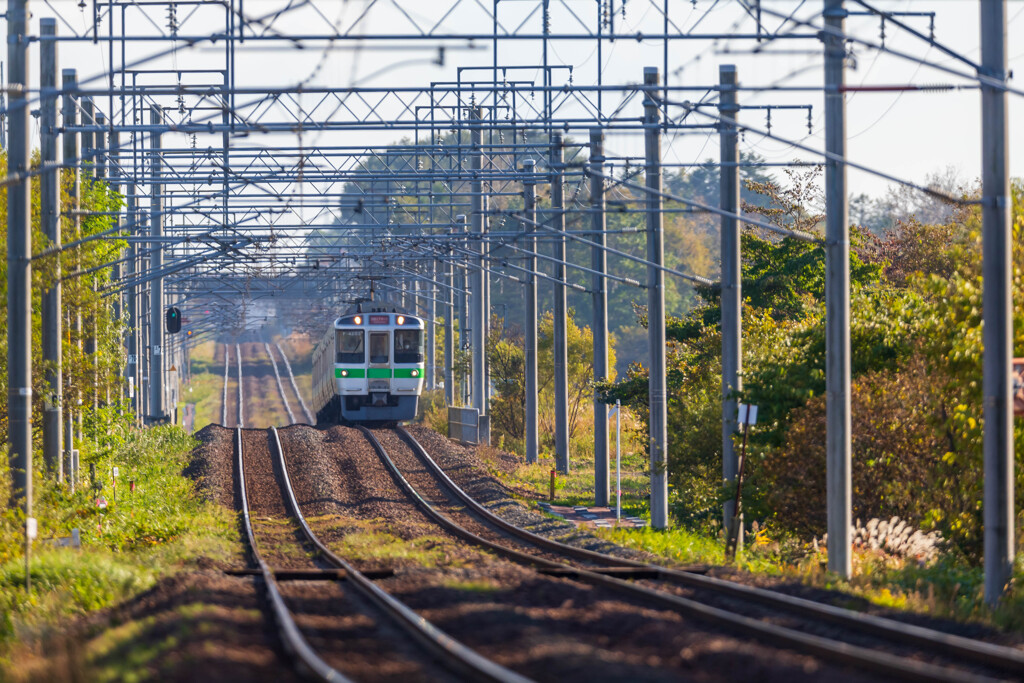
pixel 350 346
pixel 379 347
pixel 408 346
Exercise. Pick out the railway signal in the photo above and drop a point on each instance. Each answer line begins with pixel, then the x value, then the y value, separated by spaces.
pixel 173 320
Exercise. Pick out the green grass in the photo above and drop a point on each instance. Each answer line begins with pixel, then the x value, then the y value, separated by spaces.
pixel 481 586
pixel 372 542
pixel 161 528
pixel 577 487
pixel 206 389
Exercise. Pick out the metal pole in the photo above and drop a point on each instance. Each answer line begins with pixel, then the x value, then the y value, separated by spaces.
pixel 88 119
pixel 132 368
pixel 464 297
pixel 732 299
pixel 156 321
pixel 599 264
pixel 49 209
pixel 530 323
pixel 618 460
pixel 120 300
pixel 449 326
pixel 99 139
pixel 486 280
pixel 19 265
pixel 477 319
pixel 837 298
pixel 69 114
pixel 432 327
pixel 99 172
pixel 658 402
pixel 560 332
pixel 997 307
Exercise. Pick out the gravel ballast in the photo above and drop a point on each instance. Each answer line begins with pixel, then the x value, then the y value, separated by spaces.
pixel 544 627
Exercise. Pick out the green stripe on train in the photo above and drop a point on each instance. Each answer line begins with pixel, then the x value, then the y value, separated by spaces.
pixel 379 373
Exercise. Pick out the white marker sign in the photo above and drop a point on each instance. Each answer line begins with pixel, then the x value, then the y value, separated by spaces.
pixel 31 528
pixel 747 414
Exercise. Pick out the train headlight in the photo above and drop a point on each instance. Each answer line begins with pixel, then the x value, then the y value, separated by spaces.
pixel 358 320
pixel 415 373
pixel 344 373
pixel 400 320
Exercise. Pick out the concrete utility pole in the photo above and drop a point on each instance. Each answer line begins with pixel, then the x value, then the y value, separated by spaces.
pixel 599 264
pixel 88 119
pixel 120 298
pixel 997 306
pixel 837 298
pixel 132 367
pixel 485 275
pixel 49 209
pixel 431 379
pixel 449 325
pixel 69 114
pixel 100 173
pixel 19 264
pixel 99 139
pixel 658 394
pixel 478 312
pixel 560 332
pixel 530 322
pixel 157 410
pixel 732 298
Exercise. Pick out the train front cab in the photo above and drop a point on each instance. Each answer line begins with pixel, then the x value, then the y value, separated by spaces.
pixel 379 368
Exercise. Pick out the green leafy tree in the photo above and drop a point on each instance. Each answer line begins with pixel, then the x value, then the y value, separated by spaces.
pixel 92 354
pixel 507 361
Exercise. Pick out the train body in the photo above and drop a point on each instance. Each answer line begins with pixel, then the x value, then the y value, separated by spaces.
pixel 369 367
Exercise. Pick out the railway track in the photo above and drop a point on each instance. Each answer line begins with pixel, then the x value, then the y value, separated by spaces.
pixel 238 361
pixel 879 645
pixel 280 386
pixel 435 646
pixel 224 395
pixel 295 387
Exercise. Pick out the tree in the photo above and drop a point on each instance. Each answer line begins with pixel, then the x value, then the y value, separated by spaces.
pixel 508 378
pixel 94 374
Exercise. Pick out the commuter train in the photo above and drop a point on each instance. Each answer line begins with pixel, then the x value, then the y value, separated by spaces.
pixel 369 367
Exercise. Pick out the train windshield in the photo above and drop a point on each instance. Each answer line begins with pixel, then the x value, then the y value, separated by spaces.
pixel 408 346
pixel 379 347
pixel 350 346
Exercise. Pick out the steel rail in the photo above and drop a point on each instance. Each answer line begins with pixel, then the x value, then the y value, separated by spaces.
pixel 450 652
pixel 291 638
pixel 295 387
pixel 280 385
pixel 983 653
pixel 227 378
pixel 238 359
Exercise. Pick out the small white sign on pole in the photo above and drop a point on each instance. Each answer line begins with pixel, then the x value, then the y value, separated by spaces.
pixel 117 471
pixel 747 414
pixel 31 528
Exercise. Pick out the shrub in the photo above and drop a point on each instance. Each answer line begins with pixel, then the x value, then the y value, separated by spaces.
pixel 896 450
